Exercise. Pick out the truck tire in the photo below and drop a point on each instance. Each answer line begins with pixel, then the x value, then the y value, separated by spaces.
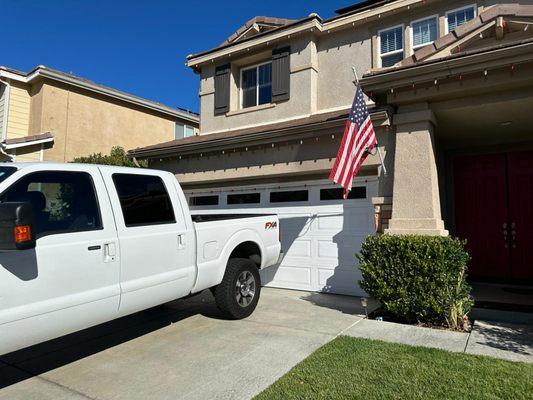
pixel 238 293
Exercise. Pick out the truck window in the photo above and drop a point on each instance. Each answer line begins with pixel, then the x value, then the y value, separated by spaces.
pixel 144 200
pixel 5 172
pixel 62 201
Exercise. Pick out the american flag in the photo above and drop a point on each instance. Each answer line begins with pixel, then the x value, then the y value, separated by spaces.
pixel 359 138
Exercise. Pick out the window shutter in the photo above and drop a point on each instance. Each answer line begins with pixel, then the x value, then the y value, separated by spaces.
pixel 222 80
pixel 281 74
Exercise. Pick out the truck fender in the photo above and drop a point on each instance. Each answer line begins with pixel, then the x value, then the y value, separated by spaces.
pixel 210 273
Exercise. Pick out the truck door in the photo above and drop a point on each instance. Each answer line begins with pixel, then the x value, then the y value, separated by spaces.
pixel 70 281
pixel 156 246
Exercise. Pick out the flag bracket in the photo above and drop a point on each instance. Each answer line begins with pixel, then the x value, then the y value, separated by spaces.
pixel 368 150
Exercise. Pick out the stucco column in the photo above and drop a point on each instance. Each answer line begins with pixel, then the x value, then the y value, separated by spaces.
pixel 416 201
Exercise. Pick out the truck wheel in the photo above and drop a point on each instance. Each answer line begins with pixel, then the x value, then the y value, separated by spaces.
pixel 238 293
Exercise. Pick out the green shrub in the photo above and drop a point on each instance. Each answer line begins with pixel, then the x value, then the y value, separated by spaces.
pixel 418 278
pixel 117 157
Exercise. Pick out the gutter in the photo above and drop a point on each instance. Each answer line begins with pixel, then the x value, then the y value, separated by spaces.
pixel 26 144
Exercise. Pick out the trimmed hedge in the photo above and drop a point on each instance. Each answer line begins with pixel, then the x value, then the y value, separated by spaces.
pixel 418 278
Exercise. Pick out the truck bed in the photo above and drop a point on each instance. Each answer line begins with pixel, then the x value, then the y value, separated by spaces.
pixel 198 218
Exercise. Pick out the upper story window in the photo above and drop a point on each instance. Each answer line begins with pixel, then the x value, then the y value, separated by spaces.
pixel 459 16
pixel 256 85
pixel 182 131
pixel 391 46
pixel 425 31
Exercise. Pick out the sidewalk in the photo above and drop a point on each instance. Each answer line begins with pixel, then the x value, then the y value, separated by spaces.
pixel 495 339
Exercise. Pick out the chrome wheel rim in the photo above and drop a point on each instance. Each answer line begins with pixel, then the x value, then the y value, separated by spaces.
pixel 245 289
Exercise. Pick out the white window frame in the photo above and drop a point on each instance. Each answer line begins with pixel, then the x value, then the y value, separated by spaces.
pixel 474 6
pixel 415 48
pixel 390 53
pixel 241 97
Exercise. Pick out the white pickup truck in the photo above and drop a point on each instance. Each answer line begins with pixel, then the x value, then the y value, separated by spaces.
pixel 85 244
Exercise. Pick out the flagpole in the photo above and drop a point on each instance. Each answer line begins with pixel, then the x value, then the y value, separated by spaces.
pixel 377 145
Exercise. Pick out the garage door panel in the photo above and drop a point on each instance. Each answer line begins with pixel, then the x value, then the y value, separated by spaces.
pixel 290 277
pixel 352 220
pixel 296 248
pixel 340 281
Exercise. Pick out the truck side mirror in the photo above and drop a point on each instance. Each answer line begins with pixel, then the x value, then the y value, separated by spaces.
pixel 16 226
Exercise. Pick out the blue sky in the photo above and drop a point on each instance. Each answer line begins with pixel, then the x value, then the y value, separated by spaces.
pixel 132 45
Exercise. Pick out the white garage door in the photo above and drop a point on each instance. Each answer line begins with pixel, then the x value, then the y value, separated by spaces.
pixel 321 233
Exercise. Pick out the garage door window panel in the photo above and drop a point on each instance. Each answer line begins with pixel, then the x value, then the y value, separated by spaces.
pixel 290 196
pixel 203 201
pixel 244 198
pixel 358 192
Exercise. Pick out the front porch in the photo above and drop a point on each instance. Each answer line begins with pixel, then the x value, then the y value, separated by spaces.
pixel 464 146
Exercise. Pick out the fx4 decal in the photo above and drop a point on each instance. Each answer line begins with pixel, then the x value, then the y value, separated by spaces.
pixel 271 225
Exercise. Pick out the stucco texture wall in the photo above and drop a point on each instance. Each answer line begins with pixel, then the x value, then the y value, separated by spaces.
pixel 301 102
pixel 84 123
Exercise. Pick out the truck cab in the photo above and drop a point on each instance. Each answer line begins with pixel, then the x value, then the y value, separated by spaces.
pixel 85 244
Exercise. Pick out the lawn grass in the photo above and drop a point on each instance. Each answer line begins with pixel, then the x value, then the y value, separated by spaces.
pixel 352 368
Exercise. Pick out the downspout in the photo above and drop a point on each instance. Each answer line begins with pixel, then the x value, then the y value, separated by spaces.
pixel 4 120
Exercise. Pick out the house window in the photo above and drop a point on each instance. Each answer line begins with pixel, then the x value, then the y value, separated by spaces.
pixel 256 85
pixel 425 31
pixel 391 46
pixel 459 16
pixel 182 131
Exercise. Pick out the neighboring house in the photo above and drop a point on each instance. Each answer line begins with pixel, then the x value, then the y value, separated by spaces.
pixel 450 86
pixel 48 115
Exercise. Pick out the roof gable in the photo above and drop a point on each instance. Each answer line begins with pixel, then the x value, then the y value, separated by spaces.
pixel 255 26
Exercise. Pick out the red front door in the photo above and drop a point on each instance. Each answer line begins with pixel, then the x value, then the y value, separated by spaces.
pixel 493 198
pixel 520 171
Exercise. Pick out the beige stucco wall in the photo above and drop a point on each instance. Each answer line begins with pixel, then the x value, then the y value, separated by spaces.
pixel 83 122
pixel 302 101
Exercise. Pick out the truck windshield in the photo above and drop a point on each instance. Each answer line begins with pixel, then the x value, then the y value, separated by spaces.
pixel 5 172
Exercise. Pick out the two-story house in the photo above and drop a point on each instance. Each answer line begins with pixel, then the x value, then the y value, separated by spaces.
pixel 49 115
pixel 450 91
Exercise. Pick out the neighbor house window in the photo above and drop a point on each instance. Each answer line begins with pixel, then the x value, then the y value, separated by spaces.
pixel 425 31
pixel 256 85
pixel 391 46
pixel 460 16
pixel 182 131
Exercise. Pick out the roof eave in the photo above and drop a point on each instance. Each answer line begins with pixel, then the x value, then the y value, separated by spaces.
pixel 425 71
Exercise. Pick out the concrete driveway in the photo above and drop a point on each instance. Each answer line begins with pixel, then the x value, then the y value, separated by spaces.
pixel 183 349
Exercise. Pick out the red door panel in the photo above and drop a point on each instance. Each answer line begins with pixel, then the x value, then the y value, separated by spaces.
pixel 480 212
pixel 520 171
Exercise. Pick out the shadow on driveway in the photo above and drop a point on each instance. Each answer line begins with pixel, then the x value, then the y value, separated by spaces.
pixel 58 352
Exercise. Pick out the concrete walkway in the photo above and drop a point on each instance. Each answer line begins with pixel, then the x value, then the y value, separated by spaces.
pixel 185 350
pixel 495 339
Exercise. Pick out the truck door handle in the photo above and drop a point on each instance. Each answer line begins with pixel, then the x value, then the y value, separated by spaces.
pixel 93 248
pixel 110 252
pixel 181 241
